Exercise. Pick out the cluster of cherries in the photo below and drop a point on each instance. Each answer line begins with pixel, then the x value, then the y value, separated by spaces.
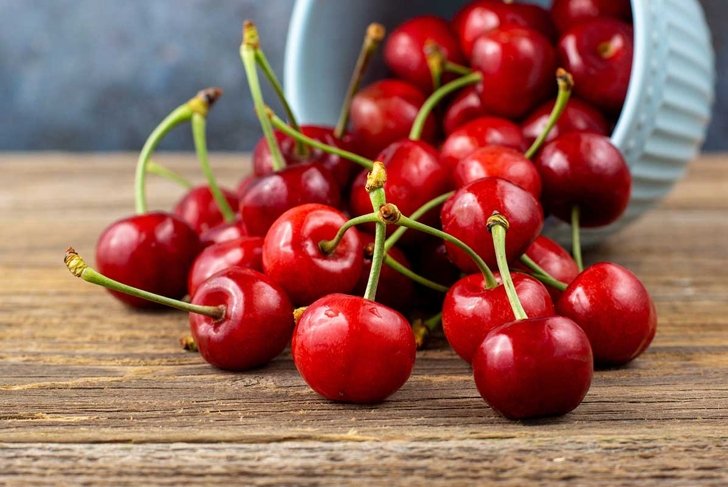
pixel 286 257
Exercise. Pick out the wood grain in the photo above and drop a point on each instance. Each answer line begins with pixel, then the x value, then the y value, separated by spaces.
pixel 91 392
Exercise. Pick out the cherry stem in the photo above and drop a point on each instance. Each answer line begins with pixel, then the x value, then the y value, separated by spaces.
pixel 281 126
pixel 576 237
pixel 375 187
pixel 374 35
pixel 390 262
pixel 199 136
pixel 566 84
pixel 328 246
pixel 166 173
pixel 435 98
pixel 79 268
pixel 416 215
pixel 541 274
pixel 423 328
pixel 498 226
pixel 436 59
pixel 247 55
pixel 456 68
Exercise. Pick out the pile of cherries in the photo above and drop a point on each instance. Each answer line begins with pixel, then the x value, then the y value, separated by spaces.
pixel 472 144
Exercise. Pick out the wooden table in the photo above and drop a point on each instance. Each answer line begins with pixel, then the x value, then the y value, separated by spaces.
pixel 91 392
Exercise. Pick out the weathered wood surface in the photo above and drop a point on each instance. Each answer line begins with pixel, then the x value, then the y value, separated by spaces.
pixel 91 392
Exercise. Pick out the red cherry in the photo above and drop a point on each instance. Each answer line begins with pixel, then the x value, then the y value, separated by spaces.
pixel 498 162
pixel 471 310
pixel 404 50
pixel 479 17
pixel 383 112
pixel 567 13
pixel 268 197
pixel 466 213
pixel 479 133
pixel 341 169
pixel 518 67
pixel 533 368
pixel 598 54
pixel 223 232
pixel 555 260
pixel 153 251
pixel 199 210
pixel 614 309
pixel 293 259
pixel 351 349
pixel 242 252
pixel 244 184
pixel 256 326
pixel 578 116
pixel 584 170
pixel 465 107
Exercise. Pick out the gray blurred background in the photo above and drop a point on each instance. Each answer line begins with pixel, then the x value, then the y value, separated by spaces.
pixel 97 75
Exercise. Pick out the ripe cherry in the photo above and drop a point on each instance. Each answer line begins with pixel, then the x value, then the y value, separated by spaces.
pixel 351 349
pixel 223 232
pixel 567 13
pixel 199 209
pixel 465 107
pixel 498 162
pixel 614 309
pixel 578 116
pixel 243 252
pixel 555 260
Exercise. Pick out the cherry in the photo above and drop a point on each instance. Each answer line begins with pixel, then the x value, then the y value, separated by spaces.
pixel 383 113
pixel 432 262
pixel 482 16
pixel 567 13
pixel 578 116
pixel 585 171
pixel 244 184
pixel 471 310
pixel 614 309
pixel 292 256
pixel 268 197
pixel 465 215
pixel 351 349
pixel 598 53
pixel 465 107
pixel 404 49
pixel 153 251
pixel 499 162
pixel 223 232
pixel 518 65
pixel 555 260
pixel 242 252
pixel 199 209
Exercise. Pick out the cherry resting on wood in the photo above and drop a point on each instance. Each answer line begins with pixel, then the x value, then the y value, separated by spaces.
pixel 242 252
pixel 199 209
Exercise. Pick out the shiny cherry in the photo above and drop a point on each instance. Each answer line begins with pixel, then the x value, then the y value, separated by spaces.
pixel 223 232
pixel 578 116
pixel 498 162
pixel 242 252
pixel 268 197
pixel 598 54
pixel 199 209
pixel 614 309
pixel 152 251
pixel 567 13
pixel 466 106
pixel 554 259
pixel 518 67
pixel 293 259
pixel 244 184
pixel 470 310
pixel 350 349
pixel 534 368
pixel 584 170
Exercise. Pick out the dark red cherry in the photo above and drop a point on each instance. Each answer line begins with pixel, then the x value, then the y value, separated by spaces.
pixel 470 310
pixel 293 259
pixel 153 252
pixel 578 116
pixel 614 309
pixel 351 349
pixel 466 213
pixel 223 232
pixel 518 67
pixel 534 368
pixel 465 107
pixel 584 170
pixel 404 49
pixel 244 184
pixel 498 162
pixel 431 261
pixel 341 169
pixel 554 259
pixel 256 327
pixel 268 197
pixel 480 133
pixel 242 252
pixel 598 54
pixel 383 112
pixel 567 13
pixel 482 16
pixel 199 210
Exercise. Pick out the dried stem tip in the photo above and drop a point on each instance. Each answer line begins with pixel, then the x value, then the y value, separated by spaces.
pixel 74 262
pixel 376 32
pixel 421 333
pixel 210 95
pixel 389 214
pixel 297 313
pixel 564 79
pixel 250 35
pixel 497 219
pixel 377 177
pixel 188 343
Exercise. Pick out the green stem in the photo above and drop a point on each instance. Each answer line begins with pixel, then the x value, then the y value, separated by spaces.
pixel 166 173
pixel 416 215
pixel 375 187
pixel 435 98
pixel 566 84
pixel 79 268
pixel 541 274
pixel 498 225
pixel 200 138
pixel 329 149
pixel 373 37
pixel 455 68
pixel 328 246
pixel 433 322
pixel 576 238
pixel 390 262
